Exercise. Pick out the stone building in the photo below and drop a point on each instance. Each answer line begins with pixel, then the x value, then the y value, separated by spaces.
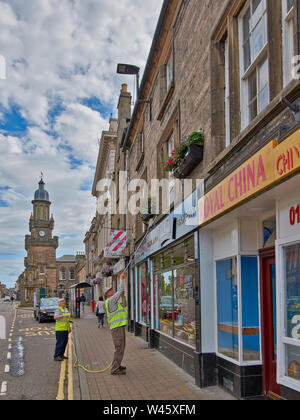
pixel 103 220
pixel 40 263
pixel 45 273
pixel 66 272
pixel 204 292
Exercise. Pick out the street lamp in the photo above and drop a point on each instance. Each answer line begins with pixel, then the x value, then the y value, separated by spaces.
pixel 129 69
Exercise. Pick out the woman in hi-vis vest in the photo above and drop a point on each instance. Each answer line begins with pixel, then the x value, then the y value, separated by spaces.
pixel 62 330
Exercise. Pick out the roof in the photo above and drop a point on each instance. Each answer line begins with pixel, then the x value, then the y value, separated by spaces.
pixel 67 258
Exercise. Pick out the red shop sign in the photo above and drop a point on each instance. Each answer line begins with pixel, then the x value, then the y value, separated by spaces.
pixel 295 215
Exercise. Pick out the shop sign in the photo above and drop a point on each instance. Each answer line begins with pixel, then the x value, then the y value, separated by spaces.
pixel 289 216
pixel 186 216
pixel 117 244
pixel 180 222
pixel 266 168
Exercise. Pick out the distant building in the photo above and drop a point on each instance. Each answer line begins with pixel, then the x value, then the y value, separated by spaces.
pixel 44 272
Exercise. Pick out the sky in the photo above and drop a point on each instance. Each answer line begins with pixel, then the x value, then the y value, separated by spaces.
pixel 60 89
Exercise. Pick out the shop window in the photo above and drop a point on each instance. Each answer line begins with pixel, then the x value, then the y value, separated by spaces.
pixel 250 309
pixel 174 286
pixel 165 290
pixel 238 323
pixel 289 361
pixel 144 295
pixel 227 304
pixel 184 319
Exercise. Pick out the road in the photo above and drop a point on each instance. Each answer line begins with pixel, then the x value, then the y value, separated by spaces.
pixel 27 368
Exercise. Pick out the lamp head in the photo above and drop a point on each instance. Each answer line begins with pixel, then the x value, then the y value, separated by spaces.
pixel 127 69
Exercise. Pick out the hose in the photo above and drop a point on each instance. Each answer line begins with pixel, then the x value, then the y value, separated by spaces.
pixel 78 365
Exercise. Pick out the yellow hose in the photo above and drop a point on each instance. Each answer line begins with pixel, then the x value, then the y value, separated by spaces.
pixel 78 365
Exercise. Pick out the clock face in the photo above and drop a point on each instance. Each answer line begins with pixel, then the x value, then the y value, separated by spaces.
pixel 42 233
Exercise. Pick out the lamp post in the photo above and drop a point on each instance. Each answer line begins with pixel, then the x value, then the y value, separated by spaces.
pixel 129 69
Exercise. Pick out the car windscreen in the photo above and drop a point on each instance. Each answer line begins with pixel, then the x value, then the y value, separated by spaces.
pixel 49 303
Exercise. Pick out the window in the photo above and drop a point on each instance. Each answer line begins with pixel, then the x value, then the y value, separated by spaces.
pixel 174 288
pixel 227 95
pixel 169 71
pixel 72 273
pixel 287 39
pixel 238 309
pixel 144 294
pixel 170 148
pixel 290 346
pixel 42 269
pixel 62 274
pixel 254 63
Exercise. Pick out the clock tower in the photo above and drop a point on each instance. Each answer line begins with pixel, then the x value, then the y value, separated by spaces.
pixel 40 263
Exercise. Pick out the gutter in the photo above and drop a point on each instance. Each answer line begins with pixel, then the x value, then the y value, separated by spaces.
pixel 157 34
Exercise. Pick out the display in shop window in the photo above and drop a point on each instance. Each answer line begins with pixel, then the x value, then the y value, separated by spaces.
pixel 292 280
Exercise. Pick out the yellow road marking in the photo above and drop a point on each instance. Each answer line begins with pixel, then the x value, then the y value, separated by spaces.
pixel 61 383
pixel 70 371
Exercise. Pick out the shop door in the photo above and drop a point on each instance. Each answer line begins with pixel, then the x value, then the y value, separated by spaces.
pixel 269 324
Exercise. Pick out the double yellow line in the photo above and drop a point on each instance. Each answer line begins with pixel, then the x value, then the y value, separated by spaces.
pixel 63 374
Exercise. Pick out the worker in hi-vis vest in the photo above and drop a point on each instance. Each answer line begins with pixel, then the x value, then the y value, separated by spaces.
pixel 62 330
pixel 117 321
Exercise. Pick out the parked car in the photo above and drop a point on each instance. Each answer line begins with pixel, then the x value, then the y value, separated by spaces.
pixel 6 299
pixel 46 309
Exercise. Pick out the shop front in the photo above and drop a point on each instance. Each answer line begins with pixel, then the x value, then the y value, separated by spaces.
pixel 249 275
pixel 166 286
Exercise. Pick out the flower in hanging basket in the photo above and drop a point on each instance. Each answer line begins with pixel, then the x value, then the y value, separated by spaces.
pixel 179 153
pixel 97 281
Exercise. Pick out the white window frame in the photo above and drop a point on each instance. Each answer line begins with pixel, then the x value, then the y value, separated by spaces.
pixel 287 42
pixel 254 66
pixel 60 274
pixel 227 95
pixel 70 277
pixel 282 379
pixel 239 362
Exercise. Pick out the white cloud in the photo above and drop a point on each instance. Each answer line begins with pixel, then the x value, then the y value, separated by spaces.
pixel 59 53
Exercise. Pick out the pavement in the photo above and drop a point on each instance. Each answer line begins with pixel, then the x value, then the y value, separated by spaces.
pixel 150 375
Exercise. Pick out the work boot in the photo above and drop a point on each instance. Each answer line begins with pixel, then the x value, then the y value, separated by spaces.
pixel 58 359
pixel 119 372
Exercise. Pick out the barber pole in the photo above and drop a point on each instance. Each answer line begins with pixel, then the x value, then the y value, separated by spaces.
pixel 117 244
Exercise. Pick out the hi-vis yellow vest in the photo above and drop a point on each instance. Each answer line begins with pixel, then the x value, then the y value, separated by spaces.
pixel 116 319
pixel 64 323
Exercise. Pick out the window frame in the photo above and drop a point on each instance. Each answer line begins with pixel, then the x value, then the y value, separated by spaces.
pixel 288 44
pixel 227 94
pixel 240 361
pixel 254 66
pixel 283 341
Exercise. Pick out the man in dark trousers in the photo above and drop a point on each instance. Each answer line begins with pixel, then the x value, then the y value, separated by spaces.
pixel 117 320
pixel 82 301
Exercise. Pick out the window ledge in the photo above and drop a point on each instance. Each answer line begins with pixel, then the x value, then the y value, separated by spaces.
pixel 166 101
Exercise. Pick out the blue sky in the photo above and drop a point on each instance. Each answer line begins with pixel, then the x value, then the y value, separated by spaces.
pixel 60 89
